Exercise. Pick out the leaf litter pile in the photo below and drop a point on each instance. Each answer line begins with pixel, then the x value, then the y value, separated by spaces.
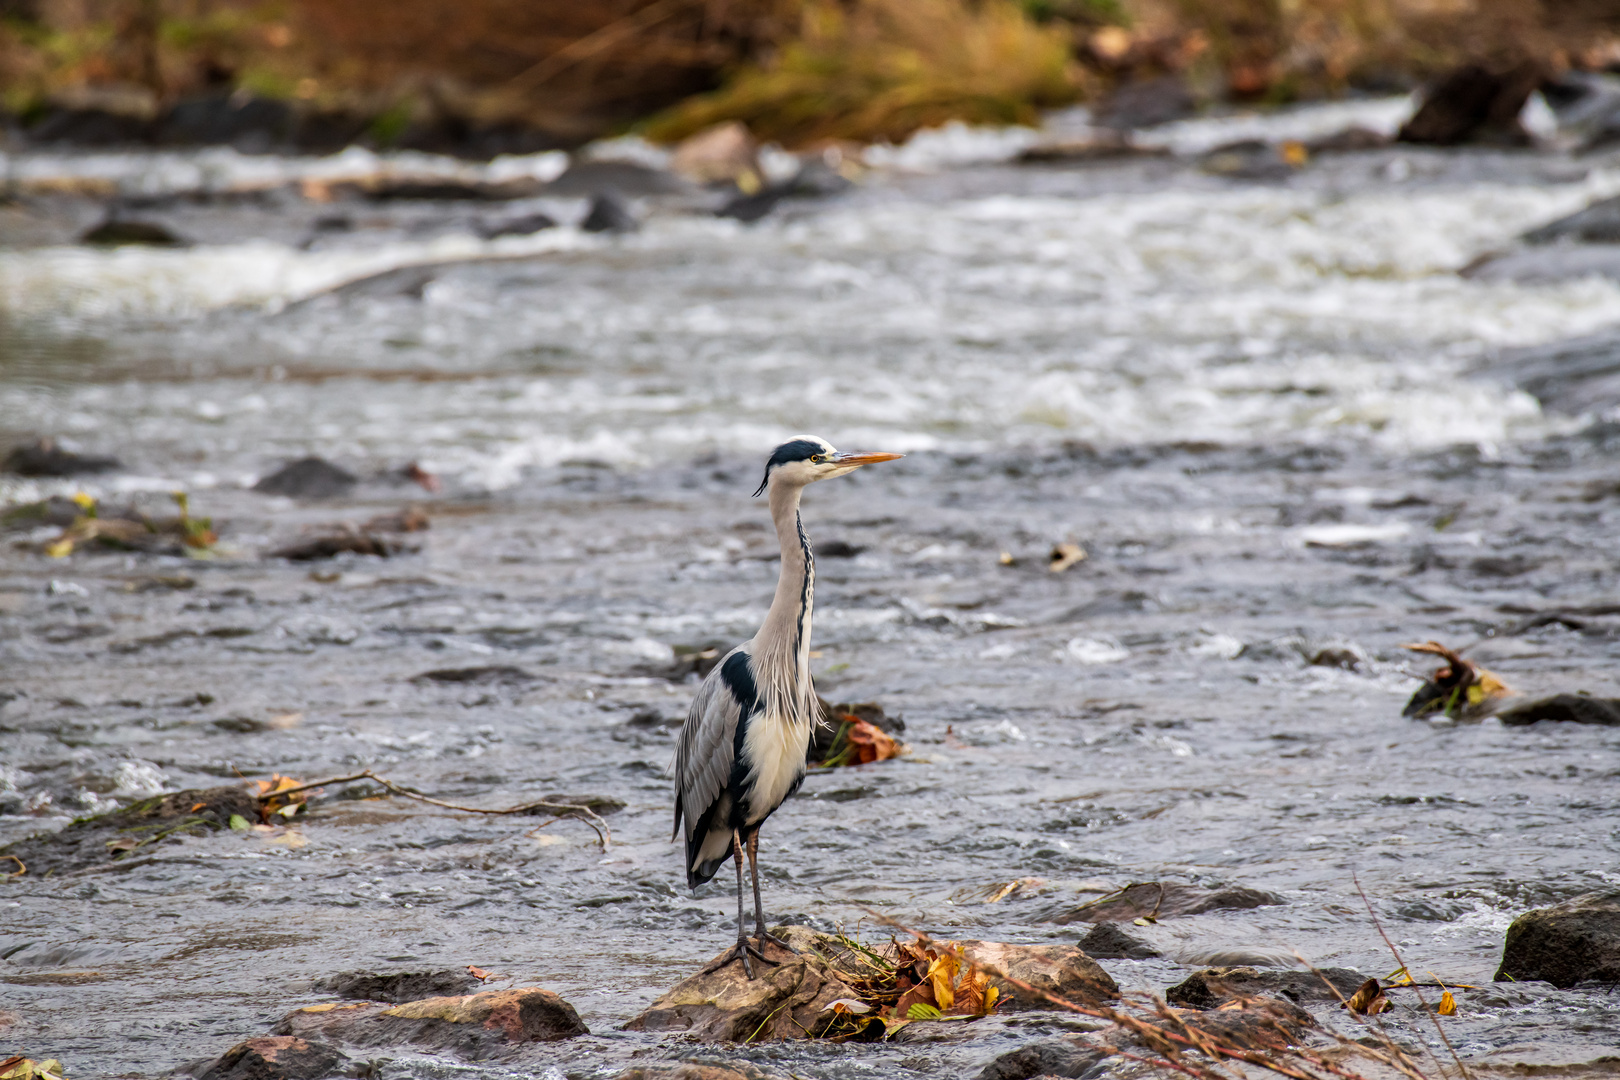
pixel 901 982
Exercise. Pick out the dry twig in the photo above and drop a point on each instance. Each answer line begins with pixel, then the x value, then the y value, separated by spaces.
pixel 603 835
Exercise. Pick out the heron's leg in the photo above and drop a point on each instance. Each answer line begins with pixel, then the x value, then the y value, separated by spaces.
pixel 743 949
pixel 760 934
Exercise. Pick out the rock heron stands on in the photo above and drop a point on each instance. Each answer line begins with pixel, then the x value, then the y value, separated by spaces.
pixel 741 752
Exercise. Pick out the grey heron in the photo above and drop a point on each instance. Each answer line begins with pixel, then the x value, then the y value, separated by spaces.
pixel 741 751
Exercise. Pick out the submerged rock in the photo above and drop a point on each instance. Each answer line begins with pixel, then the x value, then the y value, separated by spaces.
pixel 46 457
pixel 1045 1057
pixel 307 478
pixel 1145 102
pixel 1575 376
pixel 348 541
pixel 278 1057
pixel 1214 987
pixel 1062 970
pixel 1568 708
pixel 398 986
pixel 474 1026
pixel 1106 941
pixel 120 232
pixel 1256 1024
pixel 108 838
pixel 1569 943
pixel 1597 224
pixel 790 999
pixel 1160 900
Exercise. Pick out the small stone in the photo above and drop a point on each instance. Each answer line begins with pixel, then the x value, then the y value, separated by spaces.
pixel 1569 943
pixel 1106 941
pixel 1157 901
pixel 1045 1057
pixel 523 225
pixel 120 232
pixel 1569 708
pixel 608 213
pixel 45 457
pixel 307 478
pixel 1214 987
pixel 278 1057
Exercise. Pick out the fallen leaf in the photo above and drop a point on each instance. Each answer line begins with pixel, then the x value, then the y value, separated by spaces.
pixel 239 823
pixel 845 1006
pixel 1448 1005
pixel 196 807
pixel 1064 556
pixel 478 973
pixel 923 1011
pixel 286 721
pixel 278 805
pixel 1368 999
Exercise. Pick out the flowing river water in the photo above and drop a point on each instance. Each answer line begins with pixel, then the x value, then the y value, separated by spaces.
pixel 1256 405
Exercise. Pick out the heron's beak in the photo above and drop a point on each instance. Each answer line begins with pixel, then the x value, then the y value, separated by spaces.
pixel 864 458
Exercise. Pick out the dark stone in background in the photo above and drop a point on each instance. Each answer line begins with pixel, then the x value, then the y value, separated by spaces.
pixel 1106 941
pixel 1570 708
pixel 1045 1057
pixel 307 478
pixel 609 214
pixel 1213 987
pixel 45 458
pixel 398 986
pixel 1474 104
pixel 1577 941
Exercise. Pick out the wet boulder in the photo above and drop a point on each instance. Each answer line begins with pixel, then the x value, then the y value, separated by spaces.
pixel 398 986
pixel 1158 900
pixel 1045 1057
pixel 1574 376
pixel 1569 943
pixel 1473 103
pixel 1061 970
pixel 788 999
pixel 279 1057
pixel 46 457
pixel 105 839
pixel 1213 987
pixel 307 478
pixel 473 1026
pixel 118 231
pixel 1106 941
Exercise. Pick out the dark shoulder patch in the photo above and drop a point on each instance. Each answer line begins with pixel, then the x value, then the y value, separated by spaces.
pixel 739 679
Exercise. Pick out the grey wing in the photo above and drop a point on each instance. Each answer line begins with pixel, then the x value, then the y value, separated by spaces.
pixel 707 742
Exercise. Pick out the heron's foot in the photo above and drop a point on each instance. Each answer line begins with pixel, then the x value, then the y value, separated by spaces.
pixel 762 937
pixel 740 951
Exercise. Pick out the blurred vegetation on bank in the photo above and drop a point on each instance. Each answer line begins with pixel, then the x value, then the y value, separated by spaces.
pixel 561 72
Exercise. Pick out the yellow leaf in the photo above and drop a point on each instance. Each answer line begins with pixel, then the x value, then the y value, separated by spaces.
pixel 84 500
pixel 990 997
pixel 941 972
pixel 59 549
pixel 1448 1005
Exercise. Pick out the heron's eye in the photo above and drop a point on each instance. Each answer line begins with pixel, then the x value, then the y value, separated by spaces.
pixel 817 459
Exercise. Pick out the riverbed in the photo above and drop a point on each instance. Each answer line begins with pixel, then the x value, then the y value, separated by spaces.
pixel 1260 408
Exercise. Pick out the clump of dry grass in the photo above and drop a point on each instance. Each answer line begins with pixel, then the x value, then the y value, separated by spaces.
pixel 874 70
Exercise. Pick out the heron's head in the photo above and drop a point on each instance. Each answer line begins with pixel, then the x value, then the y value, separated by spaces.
pixel 804 459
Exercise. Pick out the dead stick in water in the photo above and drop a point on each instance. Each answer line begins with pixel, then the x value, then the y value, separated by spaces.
pixel 604 835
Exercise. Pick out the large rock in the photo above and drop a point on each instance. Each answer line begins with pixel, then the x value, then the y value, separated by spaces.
pixel 1599 223
pixel 278 1057
pixel 1214 987
pixel 1573 376
pixel 475 1026
pixel 1569 943
pixel 100 841
pixel 1255 1024
pixel 45 457
pixel 786 1000
pixel 1161 900
pixel 1061 970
